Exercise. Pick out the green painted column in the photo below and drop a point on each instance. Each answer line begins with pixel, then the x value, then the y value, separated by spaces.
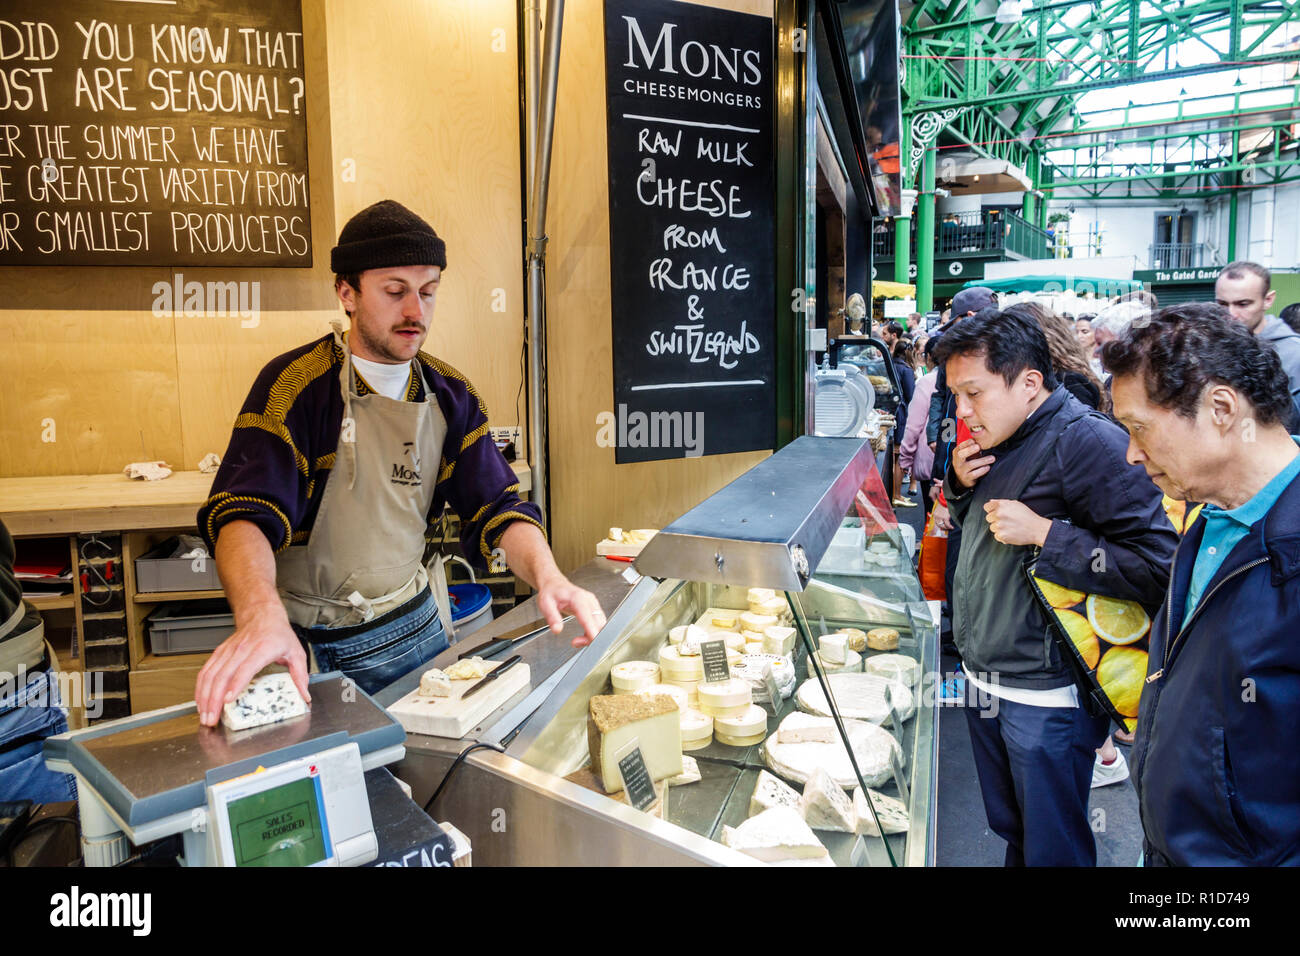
pixel 1232 203
pixel 1030 208
pixel 925 235
pixel 902 248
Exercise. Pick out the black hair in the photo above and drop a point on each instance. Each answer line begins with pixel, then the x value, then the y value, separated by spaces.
pixel 930 344
pixel 1242 268
pixel 1291 315
pixel 1010 343
pixel 1182 349
pixel 895 328
pixel 351 278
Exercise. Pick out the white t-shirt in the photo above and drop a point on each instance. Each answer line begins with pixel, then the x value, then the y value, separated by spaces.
pixel 391 381
pixel 1067 696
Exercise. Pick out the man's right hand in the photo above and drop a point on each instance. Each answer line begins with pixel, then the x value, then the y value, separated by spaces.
pixel 264 638
pixel 968 467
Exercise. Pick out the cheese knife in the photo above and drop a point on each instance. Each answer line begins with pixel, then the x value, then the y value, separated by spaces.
pixel 510 638
pixel 492 675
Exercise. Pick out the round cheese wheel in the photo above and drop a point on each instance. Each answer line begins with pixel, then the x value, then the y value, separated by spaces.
pixel 759 595
pixel 872 749
pixel 697 744
pixel 775 607
pixel 676 634
pixel 752 720
pixel 631 676
pixel 676 666
pixel 739 741
pixel 715 712
pixel 881 546
pixel 724 694
pixel 695 725
pixel 857 640
pixel 882 639
pixel 897 666
pixel 733 639
pixel 679 694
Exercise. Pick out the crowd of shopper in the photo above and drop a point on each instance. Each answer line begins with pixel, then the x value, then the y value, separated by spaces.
pixel 1146 454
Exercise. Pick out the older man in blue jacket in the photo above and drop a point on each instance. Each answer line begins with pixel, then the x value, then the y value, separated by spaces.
pixel 1216 765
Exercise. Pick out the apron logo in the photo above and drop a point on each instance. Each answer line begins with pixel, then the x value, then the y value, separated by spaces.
pixel 403 475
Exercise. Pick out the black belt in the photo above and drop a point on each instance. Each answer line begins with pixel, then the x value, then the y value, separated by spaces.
pixel 329 635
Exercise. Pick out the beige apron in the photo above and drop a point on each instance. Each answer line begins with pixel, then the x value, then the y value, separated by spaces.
pixel 364 555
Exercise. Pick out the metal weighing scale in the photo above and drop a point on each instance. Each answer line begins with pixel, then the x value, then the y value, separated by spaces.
pixel 286 794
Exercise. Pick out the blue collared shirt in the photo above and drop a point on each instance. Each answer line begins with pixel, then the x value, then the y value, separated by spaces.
pixel 1225 529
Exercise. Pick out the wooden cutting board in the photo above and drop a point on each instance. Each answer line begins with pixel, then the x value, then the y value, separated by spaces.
pixel 453 716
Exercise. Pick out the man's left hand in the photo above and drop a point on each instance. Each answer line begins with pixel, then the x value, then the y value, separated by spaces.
pixel 559 596
pixel 1015 523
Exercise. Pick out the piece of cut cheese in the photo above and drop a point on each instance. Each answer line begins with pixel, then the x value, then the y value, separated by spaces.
pixel 733 640
pixel 725 621
pixel 857 639
pixel 852 663
pixel 893 815
pixel 750 621
pixel 631 676
pixel 755 648
pixel 779 640
pixel 653 722
pixel 690 773
pixel 825 805
pixel 434 683
pixel 689 645
pixel 801 728
pixel 771 791
pixel 774 836
pixel 759 595
pixel 677 634
pixel 269 699
pixel 899 667
pixel 832 647
pixel 471 668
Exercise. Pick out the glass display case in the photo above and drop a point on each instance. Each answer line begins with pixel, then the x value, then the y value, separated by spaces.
pixel 798 573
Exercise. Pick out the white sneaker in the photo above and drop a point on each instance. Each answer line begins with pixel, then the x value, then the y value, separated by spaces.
pixel 1103 775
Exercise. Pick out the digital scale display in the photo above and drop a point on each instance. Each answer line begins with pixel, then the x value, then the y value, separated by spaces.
pixel 280 826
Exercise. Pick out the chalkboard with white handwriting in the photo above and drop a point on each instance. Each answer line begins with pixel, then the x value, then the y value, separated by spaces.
pixel 692 234
pixel 168 132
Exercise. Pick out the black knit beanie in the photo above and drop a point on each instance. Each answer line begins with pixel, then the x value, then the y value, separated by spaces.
pixel 383 235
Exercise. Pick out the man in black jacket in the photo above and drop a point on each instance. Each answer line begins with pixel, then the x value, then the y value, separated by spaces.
pixel 1040 472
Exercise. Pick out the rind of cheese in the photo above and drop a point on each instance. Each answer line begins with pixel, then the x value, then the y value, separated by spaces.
pixel 695 724
pixel 858 696
pixel 771 791
pixel 832 647
pixel 269 699
pixel 616 535
pixel 779 640
pixel 754 648
pixel 733 640
pixel 873 749
pixel 689 645
pixel 613 721
pixel 434 683
pixel 857 640
pixel 893 815
pixel 825 805
pixel 471 668
pixel 852 663
pixel 774 836
pixel 750 621
pixel 752 720
pixel 631 676
pixel 882 639
pixel 722 694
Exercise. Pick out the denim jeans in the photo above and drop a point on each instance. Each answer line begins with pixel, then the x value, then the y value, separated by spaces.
pixel 29 713
pixel 390 649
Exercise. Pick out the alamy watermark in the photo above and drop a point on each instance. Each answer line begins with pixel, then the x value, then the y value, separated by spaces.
pixel 56 689
pixel 655 429
pixel 209 300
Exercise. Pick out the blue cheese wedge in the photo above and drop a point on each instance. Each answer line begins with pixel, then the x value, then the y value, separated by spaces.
pixel 268 699
pixel 434 683
pixel 778 835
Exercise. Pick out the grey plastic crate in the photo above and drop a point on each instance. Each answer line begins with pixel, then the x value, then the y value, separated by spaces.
pixel 160 570
pixel 189 627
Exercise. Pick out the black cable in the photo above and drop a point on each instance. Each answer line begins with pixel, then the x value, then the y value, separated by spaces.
pixel 452 769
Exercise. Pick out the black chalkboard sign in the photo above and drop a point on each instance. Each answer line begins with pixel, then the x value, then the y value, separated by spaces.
pixel 692 230
pixel 172 132
pixel 637 784
pixel 714 657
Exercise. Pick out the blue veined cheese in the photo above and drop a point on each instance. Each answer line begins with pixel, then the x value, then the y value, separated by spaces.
pixel 825 805
pixel 268 699
pixel 778 835
pixel 893 815
pixel 769 792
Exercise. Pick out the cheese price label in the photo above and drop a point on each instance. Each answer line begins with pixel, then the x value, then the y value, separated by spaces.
pixel 636 779
pixel 714 654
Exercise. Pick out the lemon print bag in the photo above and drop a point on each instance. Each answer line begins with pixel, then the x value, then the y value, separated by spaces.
pixel 1105 639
